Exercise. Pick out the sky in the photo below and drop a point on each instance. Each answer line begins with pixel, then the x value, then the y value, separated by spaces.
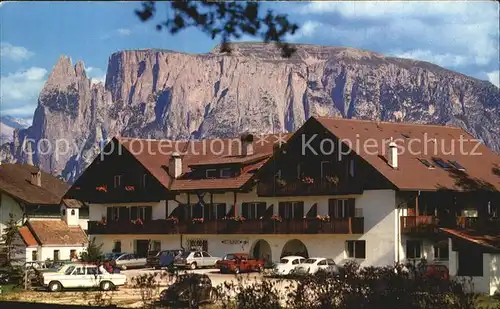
pixel 461 36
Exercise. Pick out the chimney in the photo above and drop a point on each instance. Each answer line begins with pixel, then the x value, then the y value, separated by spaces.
pixel 392 156
pixel 36 178
pixel 175 165
pixel 246 145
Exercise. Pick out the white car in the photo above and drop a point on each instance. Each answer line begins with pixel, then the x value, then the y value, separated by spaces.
pixel 82 276
pixel 196 259
pixel 315 264
pixel 287 265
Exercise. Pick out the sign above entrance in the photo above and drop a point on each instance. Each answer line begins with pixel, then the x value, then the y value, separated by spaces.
pixel 234 242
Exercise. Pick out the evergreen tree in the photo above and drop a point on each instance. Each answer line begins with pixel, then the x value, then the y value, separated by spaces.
pixel 93 253
pixel 13 251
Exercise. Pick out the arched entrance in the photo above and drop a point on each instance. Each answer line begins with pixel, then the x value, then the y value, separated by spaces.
pixel 294 247
pixel 261 250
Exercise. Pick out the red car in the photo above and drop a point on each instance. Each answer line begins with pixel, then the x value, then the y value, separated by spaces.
pixel 440 272
pixel 239 262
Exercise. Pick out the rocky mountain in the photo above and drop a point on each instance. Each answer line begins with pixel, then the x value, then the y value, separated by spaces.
pixel 7 126
pixel 167 94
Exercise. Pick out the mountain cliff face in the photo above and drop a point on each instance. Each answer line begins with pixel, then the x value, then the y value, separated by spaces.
pixel 166 94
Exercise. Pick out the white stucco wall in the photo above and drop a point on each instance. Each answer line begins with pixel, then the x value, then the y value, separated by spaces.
pixel 8 205
pixel 47 252
pixel 378 208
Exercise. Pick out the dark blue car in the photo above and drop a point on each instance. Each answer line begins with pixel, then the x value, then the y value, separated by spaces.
pixel 162 259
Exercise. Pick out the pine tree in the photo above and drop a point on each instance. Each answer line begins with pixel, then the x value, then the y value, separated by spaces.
pixel 12 250
pixel 93 253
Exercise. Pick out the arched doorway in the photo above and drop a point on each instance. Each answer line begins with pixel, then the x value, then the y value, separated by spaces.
pixel 261 250
pixel 294 247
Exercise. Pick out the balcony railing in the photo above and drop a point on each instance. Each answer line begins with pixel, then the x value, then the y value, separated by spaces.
pixel 418 224
pixel 299 188
pixel 302 226
pixel 428 224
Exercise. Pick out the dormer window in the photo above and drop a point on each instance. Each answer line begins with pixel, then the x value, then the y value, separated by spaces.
pixel 226 172
pixel 210 173
pixel 457 165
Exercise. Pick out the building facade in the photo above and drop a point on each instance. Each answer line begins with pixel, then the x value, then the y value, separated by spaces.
pixel 378 193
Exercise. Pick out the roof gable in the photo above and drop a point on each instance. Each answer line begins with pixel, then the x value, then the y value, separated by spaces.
pixel 56 232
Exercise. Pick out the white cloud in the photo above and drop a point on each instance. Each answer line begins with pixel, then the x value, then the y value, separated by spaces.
pixel 465 33
pixel 96 75
pixel 15 53
pixel 123 32
pixel 22 85
pixel 446 60
pixel 21 111
pixel 494 77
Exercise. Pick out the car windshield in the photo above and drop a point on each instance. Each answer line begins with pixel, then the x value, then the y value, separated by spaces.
pixel 230 257
pixel 185 254
pixel 284 261
pixel 69 270
pixel 310 261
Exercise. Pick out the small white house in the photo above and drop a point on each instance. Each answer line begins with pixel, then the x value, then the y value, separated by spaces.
pixel 54 239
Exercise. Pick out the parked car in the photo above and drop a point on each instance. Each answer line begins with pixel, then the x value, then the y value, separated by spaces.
pixel 313 265
pixel 82 276
pixel 106 257
pixel 189 289
pixel 195 259
pixel 164 258
pixel 287 265
pixel 128 260
pixel 239 262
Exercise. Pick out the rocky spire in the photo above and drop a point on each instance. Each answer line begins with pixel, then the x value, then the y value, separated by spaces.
pixel 29 154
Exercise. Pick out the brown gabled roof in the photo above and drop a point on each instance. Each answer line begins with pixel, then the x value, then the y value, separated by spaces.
pixel 27 237
pixel 481 171
pixel 72 203
pixel 15 181
pixel 56 232
pixel 491 242
pixel 201 152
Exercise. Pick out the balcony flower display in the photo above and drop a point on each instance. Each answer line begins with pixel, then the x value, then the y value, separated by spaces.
pixel 137 221
pixel 332 179
pixel 173 220
pixel 239 218
pixel 102 222
pixel 276 218
pixel 323 218
pixel 308 180
pixel 102 188
pixel 129 188
pixel 197 220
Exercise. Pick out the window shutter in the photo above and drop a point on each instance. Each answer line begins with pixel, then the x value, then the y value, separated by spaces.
pixel 351 207
pixel 261 210
pixel 149 213
pixel 245 211
pixel 109 214
pixel 134 212
pixel 124 214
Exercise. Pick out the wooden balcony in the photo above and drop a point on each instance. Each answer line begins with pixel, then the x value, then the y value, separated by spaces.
pixel 299 188
pixel 301 226
pixel 418 224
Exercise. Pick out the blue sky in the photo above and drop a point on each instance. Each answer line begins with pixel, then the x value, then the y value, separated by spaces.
pixel 462 36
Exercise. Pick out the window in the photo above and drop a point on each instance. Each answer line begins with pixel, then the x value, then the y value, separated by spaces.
pixel 457 165
pixel 144 180
pixel 198 245
pixel 226 172
pixel 426 163
pixel 211 173
pixel 156 245
pixel 291 210
pixel 295 262
pixel 441 252
pixel 92 271
pixel 69 270
pixel 413 249
pixel 80 271
pixel 356 249
pixel 72 254
pixel 441 163
pixel 72 212
pixel 470 213
pixel 113 213
pixel 330 262
pixel 341 209
pixel 34 255
pixel 326 169
pixel 205 254
pixel 56 255
pixel 118 180
pixel 351 167
pixel 253 211
pixel 117 247
pixel 197 255
pixel 322 262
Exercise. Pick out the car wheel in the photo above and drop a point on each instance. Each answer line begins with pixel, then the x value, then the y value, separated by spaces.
pixel 106 286
pixel 237 270
pixel 192 266
pixel 55 286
